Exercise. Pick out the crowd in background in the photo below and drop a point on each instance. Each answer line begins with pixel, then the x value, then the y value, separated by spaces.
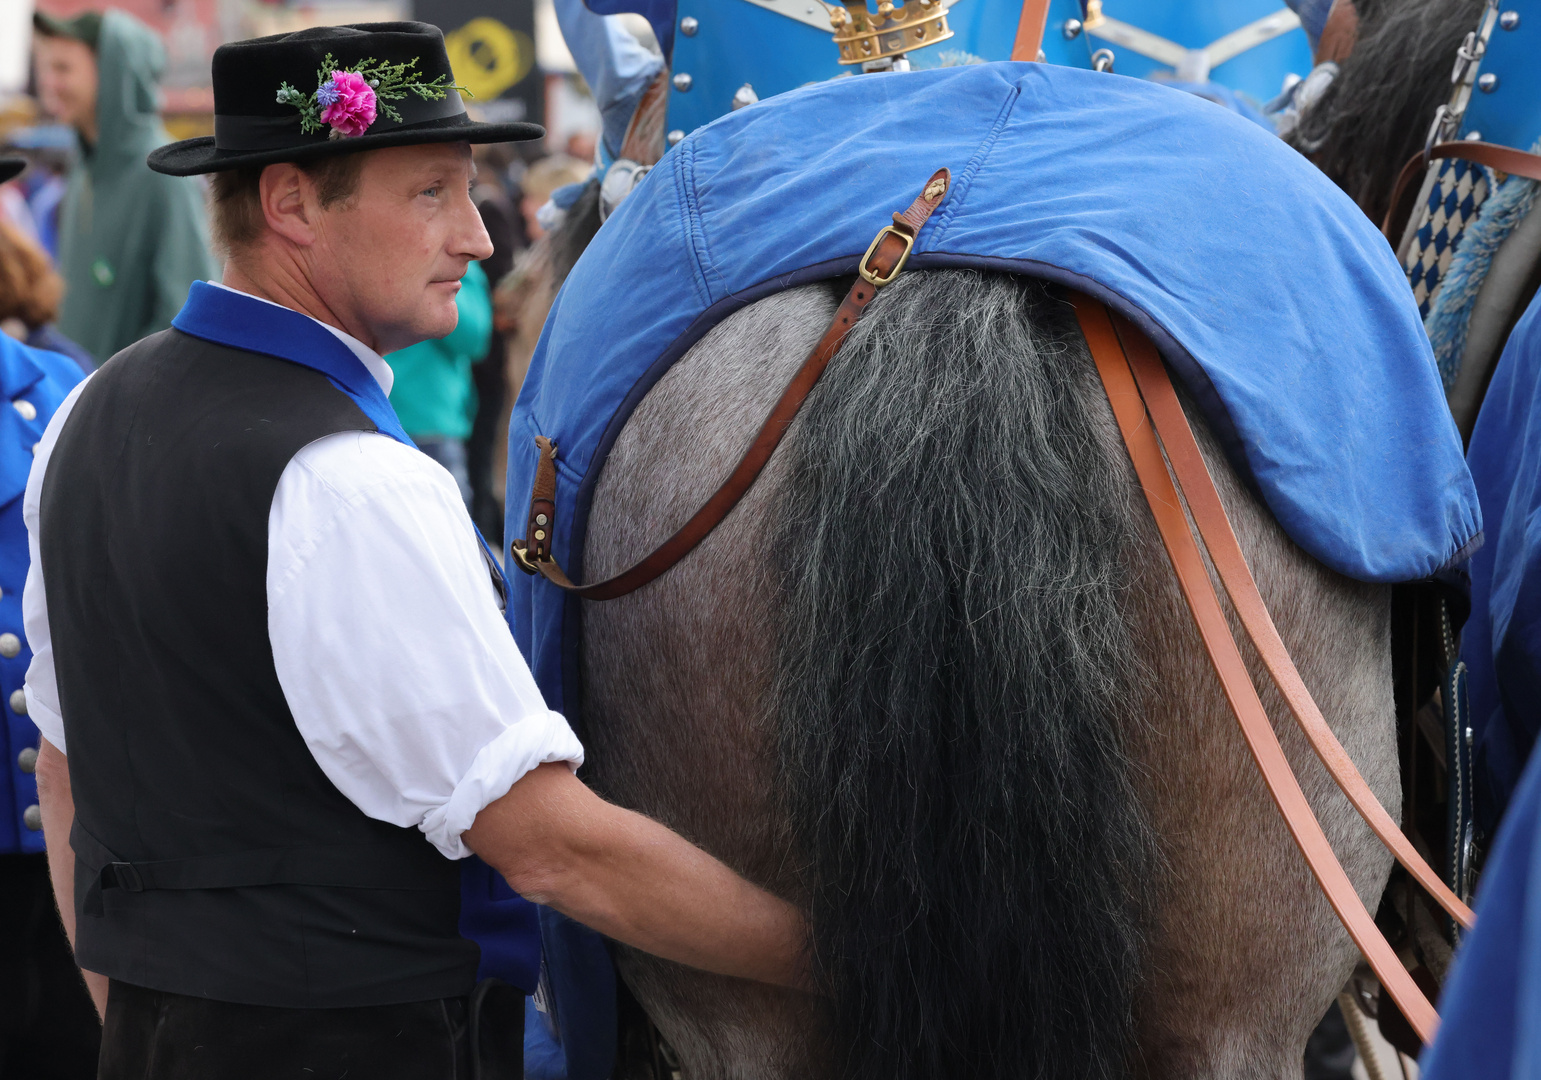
pixel 97 251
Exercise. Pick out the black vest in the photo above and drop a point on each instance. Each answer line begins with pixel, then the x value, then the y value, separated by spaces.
pixel 213 856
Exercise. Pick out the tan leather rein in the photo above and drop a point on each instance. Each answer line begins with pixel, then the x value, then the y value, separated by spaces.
pixel 1150 419
pixel 1146 407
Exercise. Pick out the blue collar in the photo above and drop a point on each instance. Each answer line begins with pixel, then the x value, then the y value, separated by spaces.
pixel 239 321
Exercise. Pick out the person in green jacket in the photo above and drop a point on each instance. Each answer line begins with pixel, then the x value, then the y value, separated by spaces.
pixel 131 241
pixel 432 391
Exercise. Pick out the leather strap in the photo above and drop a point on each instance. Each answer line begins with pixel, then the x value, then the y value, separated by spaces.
pixel 1504 159
pixel 1030 26
pixel 1182 451
pixel 882 263
pixel 644 138
pixel 1340 33
pixel 1107 336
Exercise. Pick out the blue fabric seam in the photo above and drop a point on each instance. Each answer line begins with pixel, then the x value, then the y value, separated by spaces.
pixel 975 163
pixel 684 179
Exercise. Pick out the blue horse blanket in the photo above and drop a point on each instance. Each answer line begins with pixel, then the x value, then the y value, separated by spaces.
pixel 1502 641
pixel 1274 300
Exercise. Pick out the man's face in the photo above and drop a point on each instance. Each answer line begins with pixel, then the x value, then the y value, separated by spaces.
pixel 66 80
pixel 391 258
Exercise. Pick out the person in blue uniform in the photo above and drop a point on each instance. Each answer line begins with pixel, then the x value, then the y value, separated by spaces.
pixel 48 1027
pixel 1491 1007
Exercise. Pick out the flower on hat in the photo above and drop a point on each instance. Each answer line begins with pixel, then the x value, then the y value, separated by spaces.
pixel 347 104
pixel 350 101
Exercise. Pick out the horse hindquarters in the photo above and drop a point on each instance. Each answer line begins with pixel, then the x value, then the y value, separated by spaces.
pixel 921 724
pixel 1245 954
pixel 678 678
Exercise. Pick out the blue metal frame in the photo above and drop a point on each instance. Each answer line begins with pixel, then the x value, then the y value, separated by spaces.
pixel 736 42
pixel 1509 113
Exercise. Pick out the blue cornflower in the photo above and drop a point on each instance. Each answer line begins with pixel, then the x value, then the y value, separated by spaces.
pixel 326 93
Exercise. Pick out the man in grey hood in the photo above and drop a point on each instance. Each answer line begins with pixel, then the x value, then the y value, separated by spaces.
pixel 131 241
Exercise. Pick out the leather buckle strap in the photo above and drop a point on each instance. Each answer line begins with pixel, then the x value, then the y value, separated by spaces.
pixel 877 278
pixel 884 260
pixel 1504 159
pixel 1128 364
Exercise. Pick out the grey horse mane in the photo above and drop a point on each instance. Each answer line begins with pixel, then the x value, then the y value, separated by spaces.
pixel 1376 114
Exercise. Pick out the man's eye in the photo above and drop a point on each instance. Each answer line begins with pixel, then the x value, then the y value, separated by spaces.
pixel 432 193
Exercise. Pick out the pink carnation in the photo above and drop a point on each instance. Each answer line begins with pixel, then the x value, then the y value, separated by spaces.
pixel 351 108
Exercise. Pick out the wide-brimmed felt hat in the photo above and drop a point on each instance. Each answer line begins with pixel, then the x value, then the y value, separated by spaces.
pixel 331 90
pixel 11 168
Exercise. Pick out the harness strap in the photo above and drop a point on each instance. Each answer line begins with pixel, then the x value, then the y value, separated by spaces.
pixel 1030 26
pixel 1504 159
pixel 884 260
pixel 344 866
pixel 1124 355
pixel 1182 450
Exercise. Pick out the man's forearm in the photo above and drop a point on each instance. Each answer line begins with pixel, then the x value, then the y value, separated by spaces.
pixel 634 880
pixel 57 803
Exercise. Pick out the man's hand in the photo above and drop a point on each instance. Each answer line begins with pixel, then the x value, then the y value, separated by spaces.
pixel 630 878
pixel 57 802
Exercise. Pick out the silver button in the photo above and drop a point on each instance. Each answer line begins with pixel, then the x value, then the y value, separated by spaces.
pixel 1509 20
pixel 19 702
pixel 675 136
pixel 683 82
pixel 32 817
pixel 26 408
pixel 10 645
pixel 689 25
pixel 26 761
pixel 35 446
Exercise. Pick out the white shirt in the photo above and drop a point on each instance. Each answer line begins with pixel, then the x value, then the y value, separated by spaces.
pixel 392 654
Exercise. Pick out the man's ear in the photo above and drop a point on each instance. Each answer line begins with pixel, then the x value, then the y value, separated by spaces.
pixel 289 203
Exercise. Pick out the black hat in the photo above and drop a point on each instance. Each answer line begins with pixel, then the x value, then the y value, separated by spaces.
pixel 11 168
pixel 386 84
pixel 86 27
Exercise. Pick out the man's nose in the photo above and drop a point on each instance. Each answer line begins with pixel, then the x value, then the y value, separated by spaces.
pixel 477 243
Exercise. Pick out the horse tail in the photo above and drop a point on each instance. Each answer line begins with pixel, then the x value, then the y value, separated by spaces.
pixel 955 678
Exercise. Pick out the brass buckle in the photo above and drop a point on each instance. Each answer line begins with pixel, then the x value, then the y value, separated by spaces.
pixel 909 245
pixel 522 559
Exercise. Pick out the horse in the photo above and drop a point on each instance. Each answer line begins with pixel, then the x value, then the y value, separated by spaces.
pixel 1375 113
pixel 1371 120
pixel 933 680
pixel 1001 778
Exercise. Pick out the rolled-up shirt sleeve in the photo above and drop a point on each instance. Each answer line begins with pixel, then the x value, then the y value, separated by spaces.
pixel 389 644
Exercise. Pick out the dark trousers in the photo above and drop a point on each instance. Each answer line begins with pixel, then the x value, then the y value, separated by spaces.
pixel 154 1035
pixel 48 1026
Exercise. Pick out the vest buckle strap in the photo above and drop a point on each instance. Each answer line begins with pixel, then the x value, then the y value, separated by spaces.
pixel 122 875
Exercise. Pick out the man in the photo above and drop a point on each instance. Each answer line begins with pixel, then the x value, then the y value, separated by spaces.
pixel 47 1026
pixel 130 241
pixel 270 644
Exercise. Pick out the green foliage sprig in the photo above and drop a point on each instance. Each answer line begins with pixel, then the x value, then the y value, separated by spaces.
pixel 390 82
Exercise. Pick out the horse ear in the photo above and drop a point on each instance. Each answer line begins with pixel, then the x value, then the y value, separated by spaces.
pixel 644 141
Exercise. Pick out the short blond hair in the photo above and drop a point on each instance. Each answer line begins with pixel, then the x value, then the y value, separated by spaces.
pixel 235 197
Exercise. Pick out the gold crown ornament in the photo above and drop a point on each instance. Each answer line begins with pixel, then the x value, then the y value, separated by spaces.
pixel 865 36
